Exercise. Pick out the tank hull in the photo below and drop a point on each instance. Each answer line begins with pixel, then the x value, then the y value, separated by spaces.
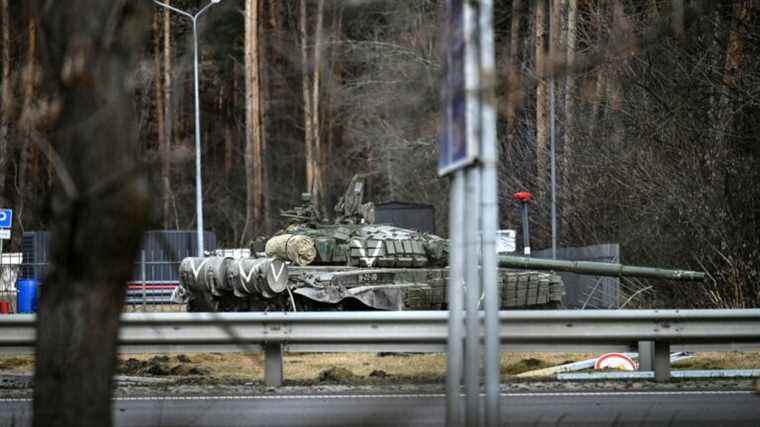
pixel 318 288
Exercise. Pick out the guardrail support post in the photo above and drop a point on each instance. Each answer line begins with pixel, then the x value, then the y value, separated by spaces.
pixel 273 364
pixel 646 355
pixel 142 277
pixel 662 361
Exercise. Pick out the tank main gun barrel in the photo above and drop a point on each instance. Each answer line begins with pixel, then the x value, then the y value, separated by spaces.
pixel 598 268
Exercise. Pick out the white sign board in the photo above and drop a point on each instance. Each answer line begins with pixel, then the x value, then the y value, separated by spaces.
pixel 505 241
pixel 5 233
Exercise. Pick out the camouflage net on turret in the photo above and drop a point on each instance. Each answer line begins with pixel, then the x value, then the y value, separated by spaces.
pixel 296 248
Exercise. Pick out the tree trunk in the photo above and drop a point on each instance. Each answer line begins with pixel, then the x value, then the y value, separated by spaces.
pixel 555 27
pixel 542 122
pixel 513 79
pixel 229 126
pixel 253 152
pixel 732 73
pixel 98 215
pixel 333 129
pixel 166 183
pixel 6 92
pixel 678 19
pixel 30 78
pixel 160 118
pixel 306 89
pixel 316 116
pixel 265 66
pixel 570 103
pixel 619 31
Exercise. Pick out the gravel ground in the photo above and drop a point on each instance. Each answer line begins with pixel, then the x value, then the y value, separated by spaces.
pixel 19 386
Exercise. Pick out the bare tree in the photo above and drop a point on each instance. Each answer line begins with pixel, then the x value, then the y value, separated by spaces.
pixel 513 73
pixel 311 60
pixel 165 143
pixel 542 107
pixel 308 111
pixel 254 162
pixel 161 134
pixel 570 111
pixel 6 93
pixel 100 207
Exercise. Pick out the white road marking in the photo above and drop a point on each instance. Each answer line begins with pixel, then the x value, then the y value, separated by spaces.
pixel 409 396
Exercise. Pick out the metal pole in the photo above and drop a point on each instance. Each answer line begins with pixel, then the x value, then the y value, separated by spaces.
pixel 198 188
pixel 455 301
pixel 489 213
pixel 526 236
pixel 472 355
pixel 142 274
pixel 273 375
pixel 198 184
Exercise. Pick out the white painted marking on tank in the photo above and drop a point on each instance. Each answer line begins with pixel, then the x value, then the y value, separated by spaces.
pixel 369 261
pixel 197 270
pixel 245 277
pixel 277 273
pixel 413 395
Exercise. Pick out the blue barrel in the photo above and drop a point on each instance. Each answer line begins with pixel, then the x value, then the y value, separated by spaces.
pixel 26 295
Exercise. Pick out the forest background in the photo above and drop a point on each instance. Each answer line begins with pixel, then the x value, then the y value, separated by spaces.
pixel 656 105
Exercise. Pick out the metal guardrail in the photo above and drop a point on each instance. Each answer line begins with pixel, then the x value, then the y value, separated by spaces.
pixel 653 332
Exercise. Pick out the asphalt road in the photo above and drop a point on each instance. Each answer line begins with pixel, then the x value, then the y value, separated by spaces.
pixel 536 409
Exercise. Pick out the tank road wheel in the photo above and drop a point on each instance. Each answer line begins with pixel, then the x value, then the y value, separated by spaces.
pixel 201 305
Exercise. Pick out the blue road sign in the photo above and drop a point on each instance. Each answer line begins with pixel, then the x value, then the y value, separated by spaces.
pixel 5 218
pixel 455 151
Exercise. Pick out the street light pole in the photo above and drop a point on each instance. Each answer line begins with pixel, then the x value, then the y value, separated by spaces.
pixel 198 184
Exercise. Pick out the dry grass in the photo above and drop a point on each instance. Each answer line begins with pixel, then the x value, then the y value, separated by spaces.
pixel 732 360
pixel 155 308
pixel 310 368
pixel 18 364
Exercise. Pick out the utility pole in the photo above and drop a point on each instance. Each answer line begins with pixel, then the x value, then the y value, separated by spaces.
pixel 198 183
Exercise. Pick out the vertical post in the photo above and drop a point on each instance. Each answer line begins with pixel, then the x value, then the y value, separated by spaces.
pixel 646 355
pixel 553 168
pixel 198 187
pixel 662 361
pixel 553 151
pixel 4 290
pixel 273 364
pixel 455 301
pixel 525 225
pixel 523 197
pixel 489 213
pixel 142 276
pixel 472 355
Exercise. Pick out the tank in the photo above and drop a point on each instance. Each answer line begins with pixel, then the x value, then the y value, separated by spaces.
pixel 351 263
pixel 600 268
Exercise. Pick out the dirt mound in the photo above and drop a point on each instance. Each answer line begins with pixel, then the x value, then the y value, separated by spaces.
pixel 160 366
pixel 184 370
pixel 525 365
pixel 378 373
pixel 337 375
